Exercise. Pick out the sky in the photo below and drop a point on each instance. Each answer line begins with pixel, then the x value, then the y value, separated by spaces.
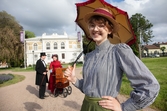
pixel 58 16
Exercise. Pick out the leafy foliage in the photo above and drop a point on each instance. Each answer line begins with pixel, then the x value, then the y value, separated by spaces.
pixel 89 48
pixel 135 49
pixel 163 49
pixel 29 34
pixel 142 28
pixel 10 46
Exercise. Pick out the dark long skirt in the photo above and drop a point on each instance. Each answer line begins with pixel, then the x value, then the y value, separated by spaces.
pixel 51 84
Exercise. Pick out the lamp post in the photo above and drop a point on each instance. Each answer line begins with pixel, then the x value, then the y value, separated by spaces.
pixel 140 44
pixel 33 60
pixel 41 43
pixel 22 39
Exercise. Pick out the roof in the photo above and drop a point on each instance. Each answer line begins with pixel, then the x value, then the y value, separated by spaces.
pixel 151 47
pixel 54 36
pixel 162 43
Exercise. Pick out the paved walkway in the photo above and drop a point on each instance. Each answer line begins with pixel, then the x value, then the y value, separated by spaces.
pixel 23 96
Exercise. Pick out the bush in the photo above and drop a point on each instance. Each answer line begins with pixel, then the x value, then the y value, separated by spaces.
pixel 5 77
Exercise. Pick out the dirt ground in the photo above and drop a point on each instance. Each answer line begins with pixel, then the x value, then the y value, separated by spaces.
pixel 23 96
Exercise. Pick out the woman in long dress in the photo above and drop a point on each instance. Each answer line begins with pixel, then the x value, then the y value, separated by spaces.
pixel 53 65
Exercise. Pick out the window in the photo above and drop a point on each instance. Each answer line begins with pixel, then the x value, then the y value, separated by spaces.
pixel 47 45
pixel 35 57
pixel 62 45
pixel 55 45
pixel 35 46
pixel 63 56
pixel 48 56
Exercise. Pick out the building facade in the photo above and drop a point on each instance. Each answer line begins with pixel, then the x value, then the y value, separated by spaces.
pixel 66 47
pixel 155 49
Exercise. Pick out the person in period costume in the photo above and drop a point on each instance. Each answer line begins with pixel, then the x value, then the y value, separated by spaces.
pixel 41 75
pixel 53 65
pixel 104 67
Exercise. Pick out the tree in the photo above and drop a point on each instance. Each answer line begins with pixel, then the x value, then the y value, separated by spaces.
pixel 142 28
pixel 10 46
pixel 135 48
pixel 163 49
pixel 29 34
pixel 86 41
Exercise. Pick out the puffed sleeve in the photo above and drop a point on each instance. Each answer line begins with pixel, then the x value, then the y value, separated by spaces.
pixel 144 84
pixel 79 82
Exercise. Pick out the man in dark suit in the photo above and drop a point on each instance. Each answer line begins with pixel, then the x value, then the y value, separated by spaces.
pixel 41 75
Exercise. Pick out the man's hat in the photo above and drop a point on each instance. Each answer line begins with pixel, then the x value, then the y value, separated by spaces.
pixel 106 14
pixel 42 54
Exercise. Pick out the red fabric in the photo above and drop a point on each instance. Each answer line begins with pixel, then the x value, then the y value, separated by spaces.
pixel 53 66
pixel 104 12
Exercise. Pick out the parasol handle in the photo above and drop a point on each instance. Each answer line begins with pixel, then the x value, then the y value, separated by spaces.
pixel 80 54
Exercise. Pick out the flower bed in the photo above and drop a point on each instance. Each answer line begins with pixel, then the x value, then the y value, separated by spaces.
pixel 5 77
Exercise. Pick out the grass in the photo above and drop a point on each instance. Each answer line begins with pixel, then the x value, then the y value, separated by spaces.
pixel 77 65
pixel 16 79
pixel 158 66
pixel 18 69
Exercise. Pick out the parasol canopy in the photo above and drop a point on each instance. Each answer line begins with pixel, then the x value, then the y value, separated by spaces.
pixel 125 33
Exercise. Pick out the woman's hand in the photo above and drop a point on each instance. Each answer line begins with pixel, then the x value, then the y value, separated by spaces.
pixel 70 74
pixel 51 71
pixel 111 103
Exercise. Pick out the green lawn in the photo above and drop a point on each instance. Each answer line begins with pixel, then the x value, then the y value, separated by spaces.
pixel 16 69
pixel 158 66
pixel 33 68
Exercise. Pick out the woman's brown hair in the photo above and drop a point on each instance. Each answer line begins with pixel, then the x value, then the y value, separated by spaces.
pixel 55 55
pixel 100 19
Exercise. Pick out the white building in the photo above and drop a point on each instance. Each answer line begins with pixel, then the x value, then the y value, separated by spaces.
pixel 67 48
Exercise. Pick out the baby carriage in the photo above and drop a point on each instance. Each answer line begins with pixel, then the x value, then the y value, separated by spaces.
pixel 61 83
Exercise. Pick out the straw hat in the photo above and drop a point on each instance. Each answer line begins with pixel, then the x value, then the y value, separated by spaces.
pixel 104 13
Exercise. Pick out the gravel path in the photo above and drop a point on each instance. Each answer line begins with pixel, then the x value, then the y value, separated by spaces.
pixel 23 96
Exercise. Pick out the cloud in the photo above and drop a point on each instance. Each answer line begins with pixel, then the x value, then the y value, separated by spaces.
pixel 42 16
pixel 153 10
pixel 58 16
